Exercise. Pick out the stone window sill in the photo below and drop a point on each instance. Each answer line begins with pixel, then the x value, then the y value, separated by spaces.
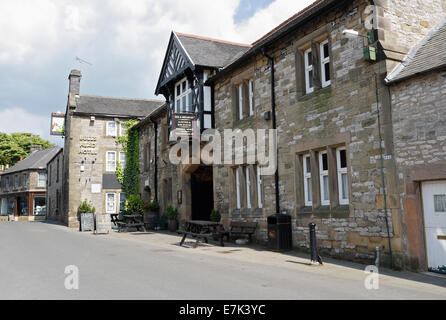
pixel 340 212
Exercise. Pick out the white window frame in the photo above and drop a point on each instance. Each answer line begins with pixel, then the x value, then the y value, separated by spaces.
pixel 341 172
pixel 248 188
pixel 251 97
pixel 259 188
pixel 324 61
pixel 179 97
pixel 238 191
pixel 109 132
pixel 121 156
pixel 308 191
pixel 107 203
pixel 308 69
pixel 39 180
pixel 240 101
pixel 324 173
pixel 122 128
pixel 108 168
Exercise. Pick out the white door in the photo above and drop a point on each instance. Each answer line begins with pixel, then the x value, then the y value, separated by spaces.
pixel 434 202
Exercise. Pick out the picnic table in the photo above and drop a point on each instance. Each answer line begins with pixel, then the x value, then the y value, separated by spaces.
pixel 130 221
pixel 200 230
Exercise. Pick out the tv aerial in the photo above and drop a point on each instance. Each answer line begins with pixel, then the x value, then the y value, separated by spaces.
pixel 83 61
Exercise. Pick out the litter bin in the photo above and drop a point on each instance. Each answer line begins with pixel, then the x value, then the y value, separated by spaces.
pixel 279 232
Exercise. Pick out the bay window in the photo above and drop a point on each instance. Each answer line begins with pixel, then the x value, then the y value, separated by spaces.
pixel 183 97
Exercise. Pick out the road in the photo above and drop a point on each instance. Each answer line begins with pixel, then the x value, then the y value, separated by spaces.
pixel 34 255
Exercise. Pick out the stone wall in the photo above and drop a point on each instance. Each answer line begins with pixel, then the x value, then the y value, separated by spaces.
pixel 54 189
pixel 418 113
pixel 88 145
pixel 345 113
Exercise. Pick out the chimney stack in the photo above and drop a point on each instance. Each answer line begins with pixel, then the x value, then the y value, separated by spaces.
pixel 75 81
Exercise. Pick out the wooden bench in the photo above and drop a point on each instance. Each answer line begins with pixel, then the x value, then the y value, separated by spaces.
pixel 130 221
pixel 238 228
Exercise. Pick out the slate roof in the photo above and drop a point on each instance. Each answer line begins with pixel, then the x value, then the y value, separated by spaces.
pixel 428 55
pixel 36 160
pixel 120 107
pixel 207 52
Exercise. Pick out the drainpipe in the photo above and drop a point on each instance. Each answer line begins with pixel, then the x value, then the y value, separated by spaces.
pixel 155 180
pixel 273 111
pixel 382 169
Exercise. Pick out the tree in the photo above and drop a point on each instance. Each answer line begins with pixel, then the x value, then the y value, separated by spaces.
pixel 17 145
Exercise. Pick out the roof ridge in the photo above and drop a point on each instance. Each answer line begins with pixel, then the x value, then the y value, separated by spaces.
pixel 287 21
pixel 120 98
pixel 413 52
pixel 213 39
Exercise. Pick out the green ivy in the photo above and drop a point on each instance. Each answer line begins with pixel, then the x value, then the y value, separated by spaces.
pixel 128 176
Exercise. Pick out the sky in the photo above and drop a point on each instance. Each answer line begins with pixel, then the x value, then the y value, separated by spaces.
pixel 124 43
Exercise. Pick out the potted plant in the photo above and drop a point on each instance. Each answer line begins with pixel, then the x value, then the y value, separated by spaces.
pixel 134 205
pixel 215 216
pixel 151 211
pixel 172 215
pixel 85 207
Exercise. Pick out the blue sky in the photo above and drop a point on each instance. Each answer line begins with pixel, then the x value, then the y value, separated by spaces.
pixel 124 41
pixel 247 8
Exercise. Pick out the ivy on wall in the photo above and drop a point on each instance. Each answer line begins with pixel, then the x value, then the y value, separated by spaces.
pixel 128 176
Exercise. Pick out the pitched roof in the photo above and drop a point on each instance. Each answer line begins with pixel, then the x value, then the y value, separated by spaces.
pixel 121 107
pixel 208 52
pixel 427 55
pixel 36 160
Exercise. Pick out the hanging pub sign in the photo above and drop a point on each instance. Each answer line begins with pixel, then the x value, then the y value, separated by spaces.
pixel 57 124
pixel 184 125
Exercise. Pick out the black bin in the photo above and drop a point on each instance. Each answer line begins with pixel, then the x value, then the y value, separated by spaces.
pixel 279 232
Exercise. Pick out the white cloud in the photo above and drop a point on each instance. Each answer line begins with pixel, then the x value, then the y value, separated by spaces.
pixel 18 120
pixel 124 40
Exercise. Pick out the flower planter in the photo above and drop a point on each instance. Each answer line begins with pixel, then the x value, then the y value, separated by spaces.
pixel 150 219
pixel 172 225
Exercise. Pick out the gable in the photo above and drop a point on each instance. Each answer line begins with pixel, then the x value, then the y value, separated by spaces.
pixel 176 62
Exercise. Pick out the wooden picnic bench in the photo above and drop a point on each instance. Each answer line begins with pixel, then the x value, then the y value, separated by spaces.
pixel 239 228
pixel 130 221
pixel 201 230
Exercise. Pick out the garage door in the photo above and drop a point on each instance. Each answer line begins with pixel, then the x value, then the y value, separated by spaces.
pixel 434 202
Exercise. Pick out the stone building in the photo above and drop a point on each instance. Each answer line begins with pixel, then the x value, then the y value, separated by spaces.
pixel 332 110
pixel 189 61
pixel 54 169
pixel 91 152
pixel 318 78
pixel 418 90
pixel 24 187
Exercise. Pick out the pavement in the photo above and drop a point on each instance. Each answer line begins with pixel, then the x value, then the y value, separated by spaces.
pixel 34 257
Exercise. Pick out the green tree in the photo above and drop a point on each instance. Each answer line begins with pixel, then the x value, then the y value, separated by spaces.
pixel 17 145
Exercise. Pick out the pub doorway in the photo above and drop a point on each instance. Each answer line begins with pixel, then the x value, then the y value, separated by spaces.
pixel 202 187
